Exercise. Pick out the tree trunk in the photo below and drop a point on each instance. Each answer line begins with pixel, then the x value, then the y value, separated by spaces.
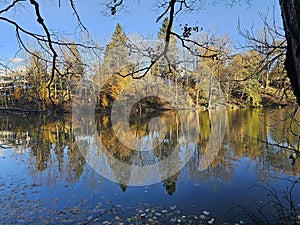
pixel 290 12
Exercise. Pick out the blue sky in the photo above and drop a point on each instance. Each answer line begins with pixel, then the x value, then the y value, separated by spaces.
pixel 140 18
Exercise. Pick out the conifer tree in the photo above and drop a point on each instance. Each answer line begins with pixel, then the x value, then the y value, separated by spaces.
pixel 172 54
pixel 116 51
pixel 116 60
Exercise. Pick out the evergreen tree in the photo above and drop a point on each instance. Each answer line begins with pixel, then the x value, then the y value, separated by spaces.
pixel 172 54
pixel 73 64
pixel 116 54
pixel 116 60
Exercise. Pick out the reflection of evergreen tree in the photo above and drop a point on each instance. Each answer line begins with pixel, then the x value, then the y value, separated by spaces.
pixel 170 184
pixel 76 163
pixel 52 152
pixel 123 187
pixel 116 149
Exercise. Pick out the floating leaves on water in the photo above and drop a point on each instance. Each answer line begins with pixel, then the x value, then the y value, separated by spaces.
pixel 211 221
pixel 203 217
pixel 173 207
pixel 206 213
pixel 89 218
pixel 75 210
pixel 78 211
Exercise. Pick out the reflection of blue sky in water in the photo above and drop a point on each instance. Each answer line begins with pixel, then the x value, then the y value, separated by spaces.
pixel 27 192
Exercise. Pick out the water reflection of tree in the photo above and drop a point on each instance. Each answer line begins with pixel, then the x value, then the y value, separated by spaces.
pixel 245 130
pixel 221 167
pixel 170 184
pixel 249 133
pixel 277 208
pixel 116 149
pixel 158 150
pixel 52 153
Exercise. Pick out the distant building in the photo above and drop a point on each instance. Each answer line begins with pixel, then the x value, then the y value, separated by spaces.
pixel 11 80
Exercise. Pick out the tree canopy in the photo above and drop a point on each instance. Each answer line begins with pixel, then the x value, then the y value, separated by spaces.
pixel 169 11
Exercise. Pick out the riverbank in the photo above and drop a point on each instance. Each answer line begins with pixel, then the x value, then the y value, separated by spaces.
pixel 270 98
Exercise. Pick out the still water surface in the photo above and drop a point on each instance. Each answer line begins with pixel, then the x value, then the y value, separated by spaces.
pixel 44 179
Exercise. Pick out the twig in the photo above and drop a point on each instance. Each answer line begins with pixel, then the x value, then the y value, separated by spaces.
pixel 102 214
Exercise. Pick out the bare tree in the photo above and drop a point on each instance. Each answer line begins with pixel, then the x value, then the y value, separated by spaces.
pixel 172 9
pixel 47 40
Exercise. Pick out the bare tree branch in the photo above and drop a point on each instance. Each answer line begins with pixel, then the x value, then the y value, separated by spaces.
pixel 11 6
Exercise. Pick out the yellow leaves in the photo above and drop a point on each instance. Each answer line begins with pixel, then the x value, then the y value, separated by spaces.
pixel 112 88
pixel 104 101
pixel 17 93
pixel 52 131
pixel 105 121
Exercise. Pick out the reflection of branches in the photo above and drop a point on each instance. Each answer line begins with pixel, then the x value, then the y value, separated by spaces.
pixel 272 144
pixel 112 211
pixel 277 210
pixel 295 121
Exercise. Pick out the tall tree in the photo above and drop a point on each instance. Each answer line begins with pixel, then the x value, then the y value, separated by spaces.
pixel 290 11
pixel 171 56
pixel 116 54
pixel 73 68
pixel 116 62
pixel 37 78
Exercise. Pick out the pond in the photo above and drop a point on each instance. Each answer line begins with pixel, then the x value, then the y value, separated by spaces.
pixel 47 176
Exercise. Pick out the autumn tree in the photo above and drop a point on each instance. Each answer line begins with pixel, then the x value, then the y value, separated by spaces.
pixel 115 64
pixel 290 14
pixel 37 78
pixel 73 69
pixel 245 79
pixel 172 9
